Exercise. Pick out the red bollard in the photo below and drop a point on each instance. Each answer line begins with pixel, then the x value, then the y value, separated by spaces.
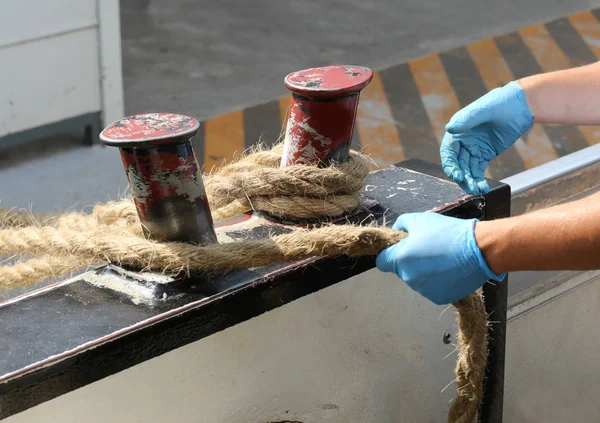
pixel 164 175
pixel 322 113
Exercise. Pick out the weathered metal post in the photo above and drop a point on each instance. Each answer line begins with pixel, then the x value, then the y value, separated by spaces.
pixel 164 175
pixel 322 113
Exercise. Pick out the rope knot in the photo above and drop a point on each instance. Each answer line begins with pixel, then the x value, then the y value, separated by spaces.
pixel 257 182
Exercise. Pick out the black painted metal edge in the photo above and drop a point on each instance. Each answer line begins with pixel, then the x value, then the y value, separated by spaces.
pixel 498 204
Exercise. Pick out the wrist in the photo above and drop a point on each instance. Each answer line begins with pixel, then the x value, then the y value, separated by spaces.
pixel 530 86
pixel 490 240
pixel 536 91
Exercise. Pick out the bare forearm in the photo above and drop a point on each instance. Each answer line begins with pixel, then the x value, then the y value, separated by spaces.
pixel 565 237
pixel 570 97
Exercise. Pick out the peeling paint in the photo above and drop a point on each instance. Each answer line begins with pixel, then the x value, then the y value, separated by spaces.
pixel 150 125
pixel 299 143
pixel 318 137
pixel 369 188
pixel 139 188
pixel 188 187
pixel 137 293
pixel 253 222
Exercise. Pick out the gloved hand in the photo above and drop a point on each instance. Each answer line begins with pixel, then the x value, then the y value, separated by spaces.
pixel 439 258
pixel 481 131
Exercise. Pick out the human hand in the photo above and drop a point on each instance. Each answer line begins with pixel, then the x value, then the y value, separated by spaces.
pixel 481 131
pixel 439 258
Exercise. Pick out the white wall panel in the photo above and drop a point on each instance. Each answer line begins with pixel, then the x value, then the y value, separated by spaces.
pixel 49 80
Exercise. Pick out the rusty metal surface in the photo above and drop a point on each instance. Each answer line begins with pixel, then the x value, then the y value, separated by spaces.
pixel 164 175
pixel 329 81
pixel 322 113
pixel 150 129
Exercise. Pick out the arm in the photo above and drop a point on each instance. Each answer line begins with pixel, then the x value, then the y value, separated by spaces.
pixel 445 258
pixel 565 97
pixel 493 123
pixel 564 237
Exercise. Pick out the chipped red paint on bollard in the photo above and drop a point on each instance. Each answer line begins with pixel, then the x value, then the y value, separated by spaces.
pixel 164 175
pixel 322 113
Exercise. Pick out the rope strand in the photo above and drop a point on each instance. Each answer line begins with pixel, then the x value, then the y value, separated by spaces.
pixel 124 249
pixel 257 182
pixel 27 273
pixel 19 218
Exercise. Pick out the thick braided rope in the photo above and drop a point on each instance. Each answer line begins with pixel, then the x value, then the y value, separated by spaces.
pixel 257 182
pixel 124 249
pixel 112 234
pixel 28 272
pixel 107 217
pixel 121 214
pixel 472 358
pixel 19 218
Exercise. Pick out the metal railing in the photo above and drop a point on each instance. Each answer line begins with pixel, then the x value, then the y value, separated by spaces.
pixel 565 179
pixel 560 180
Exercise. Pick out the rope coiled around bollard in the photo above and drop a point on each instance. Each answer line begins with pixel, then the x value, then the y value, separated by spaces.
pixel 112 234
pixel 303 192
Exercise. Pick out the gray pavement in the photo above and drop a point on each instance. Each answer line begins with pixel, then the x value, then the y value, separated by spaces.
pixel 204 58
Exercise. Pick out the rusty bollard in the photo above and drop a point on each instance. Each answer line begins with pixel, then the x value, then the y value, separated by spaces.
pixel 164 175
pixel 322 113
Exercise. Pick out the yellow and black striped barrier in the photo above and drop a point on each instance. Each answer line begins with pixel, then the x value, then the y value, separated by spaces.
pixel 402 113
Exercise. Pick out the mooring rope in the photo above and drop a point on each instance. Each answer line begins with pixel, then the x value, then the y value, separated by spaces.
pixel 112 234
pixel 257 182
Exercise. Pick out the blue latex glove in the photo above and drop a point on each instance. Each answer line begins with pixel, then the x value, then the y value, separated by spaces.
pixel 439 258
pixel 481 131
